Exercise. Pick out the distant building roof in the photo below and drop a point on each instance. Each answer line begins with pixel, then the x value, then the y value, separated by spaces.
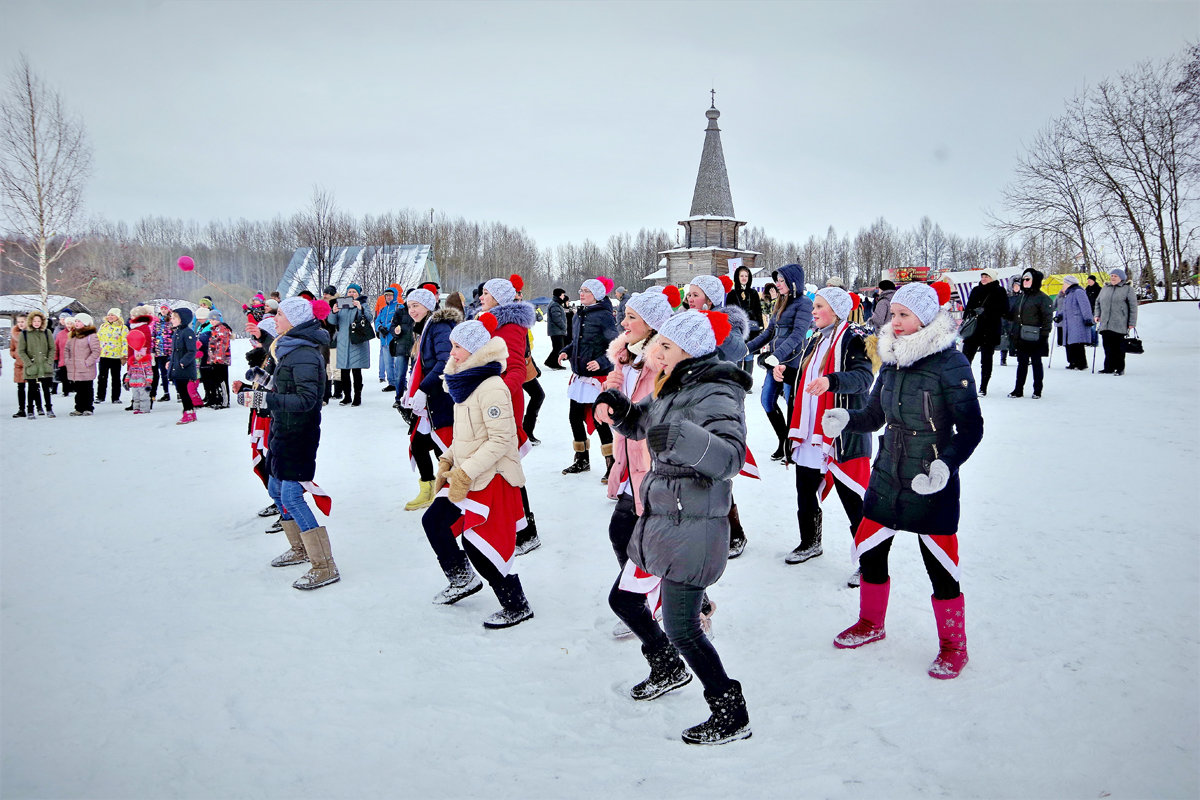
pixel 22 303
pixel 712 197
pixel 409 264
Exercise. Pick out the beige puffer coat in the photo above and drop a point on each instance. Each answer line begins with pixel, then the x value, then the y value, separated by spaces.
pixel 485 432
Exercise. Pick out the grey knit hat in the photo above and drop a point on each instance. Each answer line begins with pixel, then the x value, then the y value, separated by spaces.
pixel 835 280
pixel 501 289
pixel 1067 279
pixel 918 298
pixel 712 287
pixel 652 306
pixel 1120 273
pixel 297 310
pixel 691 331
pixel 472 334
pixel 838 300
pixel 268 324
pixel 422 296
pixel 596 288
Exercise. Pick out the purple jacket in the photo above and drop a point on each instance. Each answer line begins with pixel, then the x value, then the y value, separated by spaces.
pixel 1076 313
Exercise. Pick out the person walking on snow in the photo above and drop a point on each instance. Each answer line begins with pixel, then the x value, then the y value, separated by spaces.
pixel 695 429
pixel 293 395
pixel 925 395
pixel 835 372
pixel 479 478
pixel 988 304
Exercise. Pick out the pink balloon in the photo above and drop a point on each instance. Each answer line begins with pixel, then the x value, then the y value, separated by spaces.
pixel 186 264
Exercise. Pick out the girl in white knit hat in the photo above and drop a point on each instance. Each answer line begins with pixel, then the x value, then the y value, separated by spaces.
pixel 594 327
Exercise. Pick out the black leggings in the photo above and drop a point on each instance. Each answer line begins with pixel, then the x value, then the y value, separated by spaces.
pixel 578 417
pixel 347 374
pixel 808 480
pixel 181 389
pixel 423 449
pixel 162 367
pixel 109 367
pixel 35 398
pixel 537 396
pixel 437 521
pixel 970 348
pixel 874 566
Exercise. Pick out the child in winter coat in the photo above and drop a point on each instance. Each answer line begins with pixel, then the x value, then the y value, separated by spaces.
pixel 593 328
pixel 695 429
pixel 161 331
pixel 35 354
pixel 18 368
pixel 293 395
pixel 81 354
pixel 183 371
pixel 925 395
pixel 479 478
pixel 140 358
pixel 835 371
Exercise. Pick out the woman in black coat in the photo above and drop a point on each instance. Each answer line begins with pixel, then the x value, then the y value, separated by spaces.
pixel 595 327
pixel 556 328
pixel 745 296
pixel 925 395
pixel 1031 319
pixel 988 304
pixel 294 395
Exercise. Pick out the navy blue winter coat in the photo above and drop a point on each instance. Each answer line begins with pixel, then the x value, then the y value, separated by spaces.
pixel 926 396
pixel 434 353
pixel 594 327
pixel 789 331
pixel 297 388
pixel 183 349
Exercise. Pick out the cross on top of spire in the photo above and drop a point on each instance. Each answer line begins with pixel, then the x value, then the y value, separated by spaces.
pixel 713 92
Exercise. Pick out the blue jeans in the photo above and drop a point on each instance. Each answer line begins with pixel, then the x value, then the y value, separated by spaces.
pixel 770 393
pixel 289 497
pixel 401 382
pixel 384 355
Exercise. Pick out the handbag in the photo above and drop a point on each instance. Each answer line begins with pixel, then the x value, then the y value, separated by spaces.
pixel 969 325
pixel 1030 333
pixel 361 329
pixel 1133 343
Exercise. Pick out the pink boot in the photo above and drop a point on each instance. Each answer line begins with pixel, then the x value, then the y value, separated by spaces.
pixel 188 416
pixel 872 604
pixel 952 632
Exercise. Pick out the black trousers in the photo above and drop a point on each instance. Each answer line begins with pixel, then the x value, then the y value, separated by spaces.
pixel 1077 355
pixel 21 395
pixel 620 527
pixel 537 396
pixel 356 375
pixel 83 395
pixel 437 521
pixel 808 507
pixel 578 418
pixel 557 343
pixel 1114 351
pixel 874 566
pixel 109 367
pixel 181 388
pixel 162 369
pixel 1023 363
pixel 424 448
pixel 985 361
pixel 34 398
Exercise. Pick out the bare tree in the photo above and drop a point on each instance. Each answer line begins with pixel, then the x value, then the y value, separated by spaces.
pixel 45 160
pixel 323 228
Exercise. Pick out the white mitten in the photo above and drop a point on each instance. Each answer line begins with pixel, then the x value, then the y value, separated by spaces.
pixel 935 481
pixel 252 399
pixel 834 421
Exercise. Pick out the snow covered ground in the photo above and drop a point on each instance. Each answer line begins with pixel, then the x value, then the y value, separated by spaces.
pixel 148 650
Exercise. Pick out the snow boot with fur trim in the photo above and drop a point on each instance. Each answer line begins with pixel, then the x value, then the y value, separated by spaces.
pixel 952 634
pixel 583 461
pixel 667 672
pixel 324 571
pixel 872 604
pixel 729 721
pixel 295 553
pixel 606 450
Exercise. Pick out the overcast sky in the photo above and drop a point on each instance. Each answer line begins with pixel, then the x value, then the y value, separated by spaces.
pixel 574 120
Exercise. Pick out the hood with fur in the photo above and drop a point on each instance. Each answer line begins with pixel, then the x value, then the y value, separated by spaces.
pixel 451 315
pixel 520 312
pixel 904 351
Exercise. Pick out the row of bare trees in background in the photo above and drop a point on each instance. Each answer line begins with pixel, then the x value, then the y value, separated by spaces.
pixel 1110 183
pixel 1116 175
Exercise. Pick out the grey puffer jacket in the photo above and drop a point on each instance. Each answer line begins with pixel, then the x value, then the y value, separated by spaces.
pixel 1116 306
pixel 683 532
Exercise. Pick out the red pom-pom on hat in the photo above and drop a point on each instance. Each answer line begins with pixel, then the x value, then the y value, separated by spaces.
pixel 517 281
pixel 608 283
pixel 489 321
pixel 855 301
pixel 320 309
pixel 673 296
pixel 720 325
pixel 727 282
pixel 943 292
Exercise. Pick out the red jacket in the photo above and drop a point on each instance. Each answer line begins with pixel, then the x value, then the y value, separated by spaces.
pixel 141 346
pixel 60 341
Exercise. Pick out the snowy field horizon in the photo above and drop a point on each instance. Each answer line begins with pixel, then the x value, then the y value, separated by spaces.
pixel 148 650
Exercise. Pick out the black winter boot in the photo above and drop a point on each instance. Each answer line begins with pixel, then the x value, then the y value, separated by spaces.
pixel 515 608
pixel 582 462
pixel 463 582
pixel 779 425
pixel 728 723
pixel 667 672
pixel 527 537
pixel 810 539
pixel 737 536
pixel 607 451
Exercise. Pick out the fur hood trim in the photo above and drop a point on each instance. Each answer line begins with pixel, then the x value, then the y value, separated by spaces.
pixel 451 315
pixel 494 350
pixel 904 351
pixel 738 319
pixel 522 313
pixel 83 333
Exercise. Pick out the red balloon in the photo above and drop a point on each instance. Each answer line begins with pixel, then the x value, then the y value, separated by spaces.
pixel 186 264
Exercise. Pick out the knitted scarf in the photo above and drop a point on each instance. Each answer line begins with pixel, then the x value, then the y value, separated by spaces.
pixel 462 385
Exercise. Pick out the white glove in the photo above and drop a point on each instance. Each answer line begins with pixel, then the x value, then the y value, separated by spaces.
pixel 935 481
pixel 771 361
pixel 417 404
pixel 834 421
pixel 255 399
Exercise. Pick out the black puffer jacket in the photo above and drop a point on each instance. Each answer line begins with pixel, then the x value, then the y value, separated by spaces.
pixel 990 303
pixel 297 388
pixel 595 326
pixel 746 299
pixel 683 532
pixel 1034 308
pixel 556 319
pixel 926 396
pixel 183 349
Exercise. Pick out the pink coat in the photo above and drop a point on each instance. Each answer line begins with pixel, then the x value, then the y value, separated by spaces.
pixel 81 354
pixel 634 454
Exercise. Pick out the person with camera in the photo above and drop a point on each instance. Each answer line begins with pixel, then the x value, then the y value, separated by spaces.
pixel 354 334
